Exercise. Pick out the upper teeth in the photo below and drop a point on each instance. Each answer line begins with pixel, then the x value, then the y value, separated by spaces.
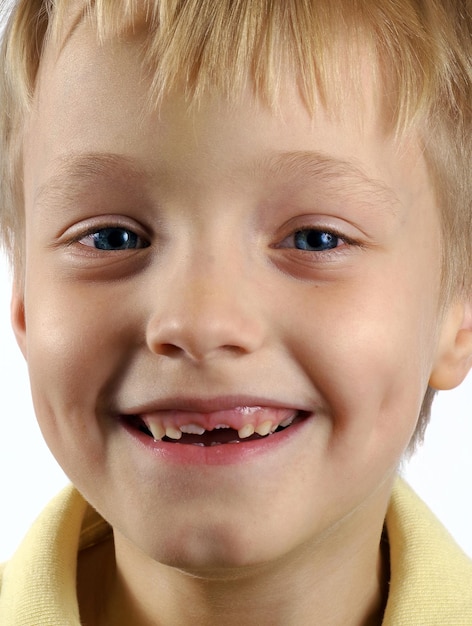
pixel 246 431
pixel 158 431
pixel 173 432
pixel 192 429
pixel 287 422
pixel 264 428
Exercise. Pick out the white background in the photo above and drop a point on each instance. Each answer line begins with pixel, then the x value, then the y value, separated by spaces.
pixel 441 471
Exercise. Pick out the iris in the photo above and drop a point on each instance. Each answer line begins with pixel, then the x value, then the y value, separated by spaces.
pixel 315 240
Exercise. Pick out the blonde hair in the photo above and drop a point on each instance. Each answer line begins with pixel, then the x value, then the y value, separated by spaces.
pixel 423 61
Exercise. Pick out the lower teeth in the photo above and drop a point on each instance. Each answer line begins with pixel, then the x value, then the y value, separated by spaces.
pixel 211 444
pixel 216 443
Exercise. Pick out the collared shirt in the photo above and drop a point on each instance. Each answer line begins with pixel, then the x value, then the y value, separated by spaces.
pixel 431 578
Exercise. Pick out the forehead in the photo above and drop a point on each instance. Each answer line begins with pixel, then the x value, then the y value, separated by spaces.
pixel 218 44
pixel 94 98
pixel 207 49
pixel 77 60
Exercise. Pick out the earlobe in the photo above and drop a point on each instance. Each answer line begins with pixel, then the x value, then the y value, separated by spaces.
pixel 454 355
pixel 18 318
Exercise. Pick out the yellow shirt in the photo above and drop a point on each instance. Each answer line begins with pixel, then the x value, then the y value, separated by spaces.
pixel 431 578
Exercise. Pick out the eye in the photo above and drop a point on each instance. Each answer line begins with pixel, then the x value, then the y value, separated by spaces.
pixel 114 238
pixel 313 240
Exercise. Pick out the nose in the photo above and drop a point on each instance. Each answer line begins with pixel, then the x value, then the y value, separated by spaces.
pixel 205 309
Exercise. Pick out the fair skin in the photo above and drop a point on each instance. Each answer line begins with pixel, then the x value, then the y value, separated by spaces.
pixel 274 264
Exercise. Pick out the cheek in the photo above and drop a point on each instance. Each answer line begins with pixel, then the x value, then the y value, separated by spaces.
pixel 71 344
pixel 368 354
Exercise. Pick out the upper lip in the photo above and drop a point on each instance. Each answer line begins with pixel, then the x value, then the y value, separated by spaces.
pixel 212 404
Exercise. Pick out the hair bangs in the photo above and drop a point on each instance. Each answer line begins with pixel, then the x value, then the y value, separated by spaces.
pixel 230 44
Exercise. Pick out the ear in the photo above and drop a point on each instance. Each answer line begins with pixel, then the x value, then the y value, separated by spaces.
pixel 18 318
pixel 454 354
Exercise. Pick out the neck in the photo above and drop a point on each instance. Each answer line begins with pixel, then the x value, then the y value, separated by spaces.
pixel 337 579
pixel 315 586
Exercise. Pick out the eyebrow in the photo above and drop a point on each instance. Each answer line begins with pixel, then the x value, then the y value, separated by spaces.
pixel 337 174
pixel 76 172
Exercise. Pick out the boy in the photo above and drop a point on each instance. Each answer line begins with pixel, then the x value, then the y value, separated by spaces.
pixel 240 234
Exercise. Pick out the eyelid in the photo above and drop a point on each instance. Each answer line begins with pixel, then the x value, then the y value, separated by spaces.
pixel 89 227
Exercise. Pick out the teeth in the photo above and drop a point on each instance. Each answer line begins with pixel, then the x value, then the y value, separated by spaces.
pixel 192 429
pixel 173 433
pixel 158 431
pixel 287 422
pixel 264 428
pixel 246 431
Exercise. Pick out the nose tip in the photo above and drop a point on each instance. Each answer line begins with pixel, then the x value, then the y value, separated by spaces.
pixel 202 338
pixel 199 323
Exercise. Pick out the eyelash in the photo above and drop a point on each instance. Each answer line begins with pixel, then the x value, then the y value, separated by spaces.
pixel 329 240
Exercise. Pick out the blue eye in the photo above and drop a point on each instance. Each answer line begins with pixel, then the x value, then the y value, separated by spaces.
pixel 113 239
pixel 315 240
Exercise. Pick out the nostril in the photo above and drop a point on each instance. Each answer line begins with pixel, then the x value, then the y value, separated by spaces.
pixel 171 350
pixel 179 331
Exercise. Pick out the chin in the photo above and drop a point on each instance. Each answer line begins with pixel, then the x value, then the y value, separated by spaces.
pixel 212 552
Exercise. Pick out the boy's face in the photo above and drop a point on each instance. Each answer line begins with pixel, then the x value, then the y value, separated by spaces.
pixel 254 260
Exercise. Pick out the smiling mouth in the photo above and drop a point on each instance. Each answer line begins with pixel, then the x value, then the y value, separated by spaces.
pixel 220 434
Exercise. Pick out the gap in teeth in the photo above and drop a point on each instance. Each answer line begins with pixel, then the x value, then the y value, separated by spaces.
pixel 158 431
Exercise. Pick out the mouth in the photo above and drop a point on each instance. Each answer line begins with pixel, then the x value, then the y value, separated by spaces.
pixel 230 427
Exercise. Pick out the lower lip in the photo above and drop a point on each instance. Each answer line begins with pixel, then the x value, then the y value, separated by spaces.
pixel 223 454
